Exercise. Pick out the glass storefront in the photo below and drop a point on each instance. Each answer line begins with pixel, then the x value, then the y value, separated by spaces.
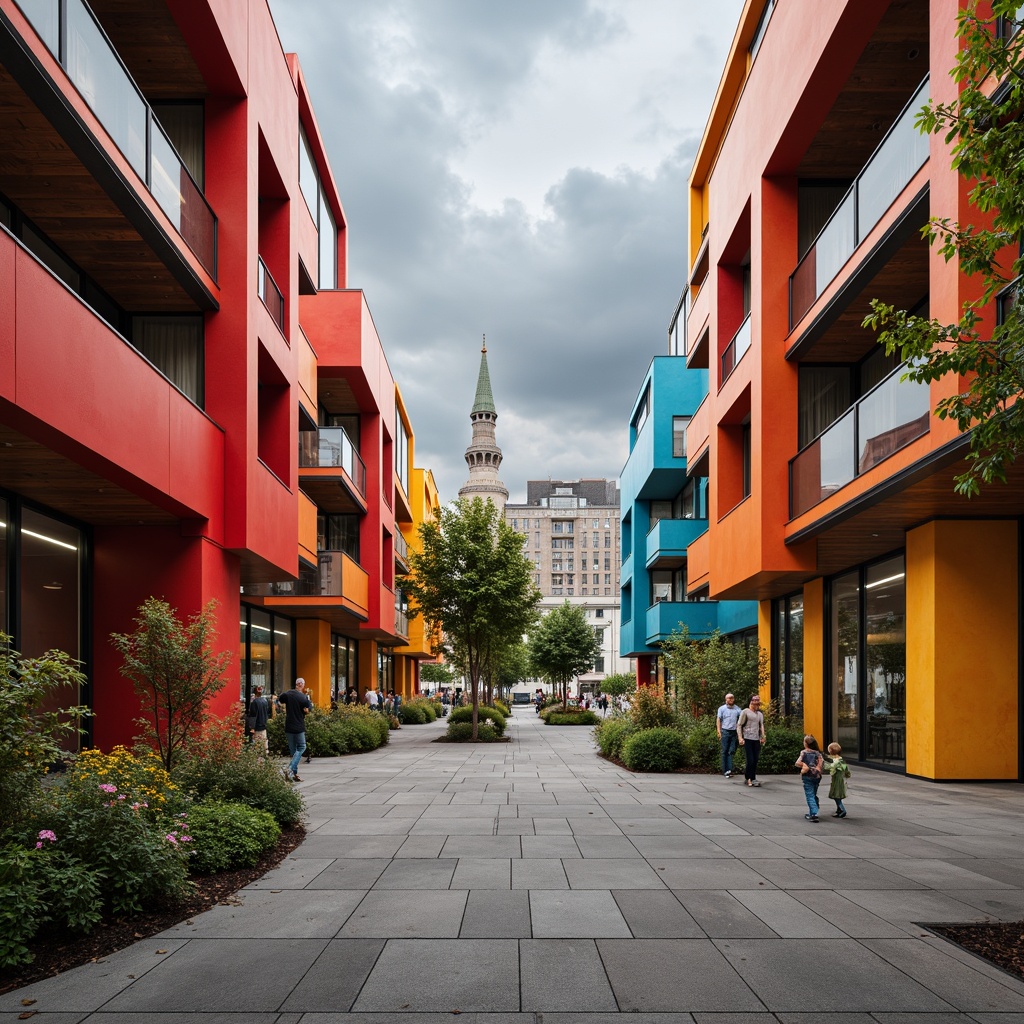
pixel 869 662
pixel 266 652
pixel 344 671
pixel 788 656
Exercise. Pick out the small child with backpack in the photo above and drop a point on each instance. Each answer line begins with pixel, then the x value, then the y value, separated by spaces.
pixel 839 770
pixel 809 762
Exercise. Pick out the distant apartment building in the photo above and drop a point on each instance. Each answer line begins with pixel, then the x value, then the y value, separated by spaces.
pixel 572 537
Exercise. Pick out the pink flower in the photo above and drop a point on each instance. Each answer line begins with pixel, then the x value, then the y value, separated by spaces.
pixel 121 796
pixel 172 838
pixel 48 835
pixel 106 787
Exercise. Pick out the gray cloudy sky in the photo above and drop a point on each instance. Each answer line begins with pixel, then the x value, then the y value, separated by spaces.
pixel 515 169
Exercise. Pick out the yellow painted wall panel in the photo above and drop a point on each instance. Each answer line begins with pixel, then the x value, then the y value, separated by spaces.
pixel 313 659
pixel 814 645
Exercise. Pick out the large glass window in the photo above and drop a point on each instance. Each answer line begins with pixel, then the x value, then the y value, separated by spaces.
pixel 788 660
pixel 174 345
pixel 328 233
pixel 845 669
pixel 885 616
pixel 267 641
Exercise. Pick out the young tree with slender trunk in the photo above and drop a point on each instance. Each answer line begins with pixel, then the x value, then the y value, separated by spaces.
pixel 563 645
pixel 471 580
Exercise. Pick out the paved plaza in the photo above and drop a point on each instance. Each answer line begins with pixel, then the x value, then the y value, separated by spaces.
pixel 532 881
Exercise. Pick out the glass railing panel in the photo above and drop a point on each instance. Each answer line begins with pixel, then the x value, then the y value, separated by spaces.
pixel 401 547
pixel 736 348
pixel 331 446
pixel 894 163
pixel 824 466
pixel 269 293
pixel 44 16
pixel 834 246
pixel 105 85
pixel 894 414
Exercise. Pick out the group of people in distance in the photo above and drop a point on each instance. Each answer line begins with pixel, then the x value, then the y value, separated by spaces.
pixel 744 727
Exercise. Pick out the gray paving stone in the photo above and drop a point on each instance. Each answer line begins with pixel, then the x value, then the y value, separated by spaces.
pixel 482 846
pixel 847 976
pixel 210 974
pixel 957 983
pixel 941 874
pixel 606 847
pixel 654 826
pixel 481 873
pixel 292 914
pixel 88 987
pixel 852 920
pixel 1006 904
pixel 334 847
pixel 421 847
pixel 334 981
pixel 357 873
pixel 538 873
pixel 707 874
pixel 566 976
pixel 292 873
pixel 446 975
pixel 750 847
pixel 656 915
pixel 674 975
pixel 557 914
pixel 914 905
pixel 496 914
pixel 156 1017
pixel 787 874
pixel 550 847
pixel 416 874
pixel 679 847
pixel 622 873
pixel 551 826
pixel 787 917
pixel 386 913
pixel 721 915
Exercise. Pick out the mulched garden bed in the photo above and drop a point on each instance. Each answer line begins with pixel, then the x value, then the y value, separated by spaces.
pixel 1001 944
pixel 55 953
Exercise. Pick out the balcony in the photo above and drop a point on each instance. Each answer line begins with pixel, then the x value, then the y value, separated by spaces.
pixel 665 617
pixel 401 549
pixel 894 163
pixel 326 580
pixel 270 295
pixel 886 419
pixel 327 457
pixel 668 540
pixel 98 73
pixel 736 349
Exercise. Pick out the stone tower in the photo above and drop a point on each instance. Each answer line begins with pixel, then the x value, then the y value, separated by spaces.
pixel 483 456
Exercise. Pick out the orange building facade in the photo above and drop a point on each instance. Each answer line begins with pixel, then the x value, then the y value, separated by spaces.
pixel 891 607
pixel 193 403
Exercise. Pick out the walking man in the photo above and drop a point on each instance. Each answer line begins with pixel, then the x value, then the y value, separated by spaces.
pixel 296 705
pixel 728 716
pixel 259 712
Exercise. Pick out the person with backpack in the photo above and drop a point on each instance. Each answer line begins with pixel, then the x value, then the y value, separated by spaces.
pixel 839 771
pixel 809 762
pixel 751 736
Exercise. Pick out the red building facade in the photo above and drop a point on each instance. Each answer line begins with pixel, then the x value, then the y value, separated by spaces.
pixel 180 355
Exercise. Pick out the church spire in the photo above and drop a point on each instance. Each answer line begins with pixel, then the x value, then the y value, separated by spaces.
pixel 483 456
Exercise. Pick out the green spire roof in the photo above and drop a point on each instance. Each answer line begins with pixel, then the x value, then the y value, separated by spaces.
pixel 484 401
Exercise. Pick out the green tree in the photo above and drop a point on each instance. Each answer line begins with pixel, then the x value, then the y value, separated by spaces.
pixel 618 685
pixel 174 671
pixel 704 671
pixel 439 673
pixel 471 580
pixel 562 645
pixel 31 724
pixel 984 127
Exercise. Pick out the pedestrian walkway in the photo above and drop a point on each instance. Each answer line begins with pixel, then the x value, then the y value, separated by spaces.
pixel 534 882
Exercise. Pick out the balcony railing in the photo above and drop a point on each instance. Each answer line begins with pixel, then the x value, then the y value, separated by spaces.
pixel 331 446
pixel 93 65
pixel 269 293
pixel 401 619
pixel 401 548
pixel 323 581
pixel 886 419
pixel 897 159
pixel 736 349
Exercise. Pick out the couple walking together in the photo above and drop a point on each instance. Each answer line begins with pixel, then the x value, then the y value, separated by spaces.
pixel 741 728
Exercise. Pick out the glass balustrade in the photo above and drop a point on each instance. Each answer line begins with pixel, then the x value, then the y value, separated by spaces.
pixel 401 547
pixel 269 293
pixel 896 160
pixel 886 419
pixel 95 69
pixel 331 446
pixel 736 349
pixel 323 581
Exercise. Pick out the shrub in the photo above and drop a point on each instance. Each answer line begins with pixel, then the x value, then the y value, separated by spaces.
pixel 41 887
pixel 139 774
pixel 462 732
pixel 502 707
pixel 496 718
pixel 430 710
pixel 29 736
pixel 781 749
pixel 653 750
pixel 345 729
pixel 703 748
pixel 572 718
pixel 649 709
pixel 229 835
pixel 414 713
pixel 611 734
pixel 223 768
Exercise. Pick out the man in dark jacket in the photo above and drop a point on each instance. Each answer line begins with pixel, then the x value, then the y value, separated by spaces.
pixel 259 712
pixel 296 705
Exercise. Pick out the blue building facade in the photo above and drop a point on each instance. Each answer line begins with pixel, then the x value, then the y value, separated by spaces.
pixel 664 510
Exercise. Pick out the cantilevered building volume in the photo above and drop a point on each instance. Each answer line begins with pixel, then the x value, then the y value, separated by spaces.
pixel 891 606
pixel 194 405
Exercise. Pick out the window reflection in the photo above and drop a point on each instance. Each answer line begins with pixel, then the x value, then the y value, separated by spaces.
pixel 845 628
pixel 886 650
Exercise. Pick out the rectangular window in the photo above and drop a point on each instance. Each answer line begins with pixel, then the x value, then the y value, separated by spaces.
pixel 557 580
pixel 328 234
pixel 607 579
pixel 679 425
pixel 309 180
pixel 599 613
pixel 174 345
pixel 746 460
pixel 607 540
